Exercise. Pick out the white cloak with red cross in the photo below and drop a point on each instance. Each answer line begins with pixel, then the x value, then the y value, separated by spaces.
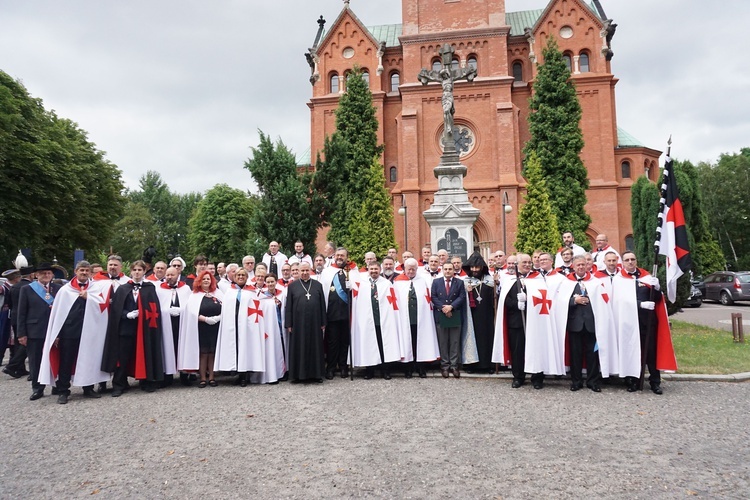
pixel 606 337
pixel 275 339
pixel 427 343
pixel 241 348
pixel 188 347
pixel 88 365
pixel 364 341
pixel 164 292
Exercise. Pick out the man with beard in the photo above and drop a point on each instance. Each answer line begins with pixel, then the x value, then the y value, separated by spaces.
pixel 305 322
pixel 566 262
pixel 642 325
pixel 299 253
pixel 481 294
pixel 336 285
pixel 133 345
pixel 389 269
pixel 568 242
pixel 73 346
pixel 415 306
pixel 33 313
pixel 320 264
pixel 173 296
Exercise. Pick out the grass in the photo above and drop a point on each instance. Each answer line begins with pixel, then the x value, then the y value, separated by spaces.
pixel 704 350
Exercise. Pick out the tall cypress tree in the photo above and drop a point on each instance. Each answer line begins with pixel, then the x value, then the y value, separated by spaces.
pixel 557 139
pixel 537 223
pixel 342 177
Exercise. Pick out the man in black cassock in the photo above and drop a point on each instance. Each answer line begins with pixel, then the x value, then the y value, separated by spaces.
pixel 306 322
pixel 481 290
pixel 133 345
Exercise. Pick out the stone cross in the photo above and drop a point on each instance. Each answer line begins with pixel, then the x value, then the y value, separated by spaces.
pixel 446 76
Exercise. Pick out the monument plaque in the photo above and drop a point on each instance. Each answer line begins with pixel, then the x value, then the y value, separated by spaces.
pixel 454 244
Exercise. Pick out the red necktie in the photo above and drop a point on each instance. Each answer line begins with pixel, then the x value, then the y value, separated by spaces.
pixel 447 286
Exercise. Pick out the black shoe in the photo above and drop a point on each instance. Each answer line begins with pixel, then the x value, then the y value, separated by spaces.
pixel 408 375
pixel 422 374
pixel 91 393
pixel 656 389
pixel 594 387
pixel 517 383
pixel 387 375
pixel 116 393
pixel 55 391
pixel 538 385
pixel 38 393
pixel 102 387
pixel 62 399
pixel 243 382
pixel 345 372
pixel 319 380
pixel 12 373
pixel 147 387
pixel 576 386
pixel 368 375
pixel 185 380
pixel 329 375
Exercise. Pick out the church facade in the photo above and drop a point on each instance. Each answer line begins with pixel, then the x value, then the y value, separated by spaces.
pixel 491 112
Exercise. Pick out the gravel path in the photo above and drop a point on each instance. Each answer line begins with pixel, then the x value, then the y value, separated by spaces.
pixel 468 438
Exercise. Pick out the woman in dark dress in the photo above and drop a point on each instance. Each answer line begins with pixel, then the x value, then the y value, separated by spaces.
pixel 209 315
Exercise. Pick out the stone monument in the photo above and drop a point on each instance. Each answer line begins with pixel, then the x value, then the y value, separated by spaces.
pixel 451 216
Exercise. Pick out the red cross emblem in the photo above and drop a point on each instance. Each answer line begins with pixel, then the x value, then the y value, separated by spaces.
pixel 546 303
pixel 605 296
pixel 104 305
pixel 151 315
pixel 392 299
pixel 428 297
pixel 256 311
pixel 355 289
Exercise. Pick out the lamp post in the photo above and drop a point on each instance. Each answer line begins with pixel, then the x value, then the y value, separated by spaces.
pixel 506 210
pixel 402 212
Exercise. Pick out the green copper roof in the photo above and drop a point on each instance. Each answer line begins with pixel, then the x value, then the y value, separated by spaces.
pixel 387 33
pixel 520 20
pixel 625 140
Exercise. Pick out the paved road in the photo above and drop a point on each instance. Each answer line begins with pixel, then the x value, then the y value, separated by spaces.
pixel 468 438
pixel 716 315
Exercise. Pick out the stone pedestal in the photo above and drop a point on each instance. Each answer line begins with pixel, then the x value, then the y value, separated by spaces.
pixel 451 216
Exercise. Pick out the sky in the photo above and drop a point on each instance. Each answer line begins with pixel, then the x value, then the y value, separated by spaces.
pixel 182 87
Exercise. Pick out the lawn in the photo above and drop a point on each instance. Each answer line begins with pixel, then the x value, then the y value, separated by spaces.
pixel 704 350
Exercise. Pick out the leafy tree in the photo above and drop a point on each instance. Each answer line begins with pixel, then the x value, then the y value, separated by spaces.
pixel 221 223
pixel 59 192
pixel 371 226
pixel 557 139
pixel 284 212
pixel 134 232
pixel 342 178
pixel 644 205
pixel 537 223
pixel 724 190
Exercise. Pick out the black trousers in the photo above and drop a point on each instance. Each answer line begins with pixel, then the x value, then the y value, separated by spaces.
pixel 383 366
pixel 34 349
pixel 517 338
pixel 337 344
pixel 68 351
pixel 414 365
pixel 582 344
pixel 654 376
pixel 125 354
pixel 17 361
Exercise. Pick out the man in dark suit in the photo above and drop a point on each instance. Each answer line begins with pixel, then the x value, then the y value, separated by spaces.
pixel 16 367
pixel 34 306
pixel 448 302
pixel 581 329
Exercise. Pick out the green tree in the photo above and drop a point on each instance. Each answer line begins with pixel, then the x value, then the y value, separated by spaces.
pixel 284 212
pixel 134 232
pixel 220 226
pixel 557 139
pixel 371 226
pixel 724 190
pixel 342 177
pixel 537 223
pixel 644 204
pixel 59 192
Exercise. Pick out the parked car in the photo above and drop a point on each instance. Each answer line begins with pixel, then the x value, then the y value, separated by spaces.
pixel 696 297
pixel 727 286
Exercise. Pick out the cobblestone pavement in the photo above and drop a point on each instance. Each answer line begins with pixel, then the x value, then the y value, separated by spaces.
pixel 467 438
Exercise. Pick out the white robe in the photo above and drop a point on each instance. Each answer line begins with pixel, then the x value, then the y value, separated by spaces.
pixel 240 348
pixel 274 339
pixel 188 347
pixel 89 362
pixel 165 303
pixel 427 343
pixel 364 341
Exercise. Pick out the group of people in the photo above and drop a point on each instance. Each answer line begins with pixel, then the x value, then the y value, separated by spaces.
pixel 304 318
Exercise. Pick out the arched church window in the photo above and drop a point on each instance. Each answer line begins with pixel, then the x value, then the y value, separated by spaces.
pixel 583 63
pixel 625 167
pixel 366 77
pixel 393 174
pixel 436 64
pixel 629 243
pixel 471 62
pixel 518 71
pixel 568 63
pixel 334 85
pixel 395 81
pixel 455 64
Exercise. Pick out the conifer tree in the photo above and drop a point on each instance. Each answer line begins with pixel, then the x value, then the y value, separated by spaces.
pixel 371 226
pixel 557 139
pixel 537 223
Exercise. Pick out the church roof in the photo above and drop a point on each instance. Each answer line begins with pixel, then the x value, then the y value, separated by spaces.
pixel 387 33
pixel 625 140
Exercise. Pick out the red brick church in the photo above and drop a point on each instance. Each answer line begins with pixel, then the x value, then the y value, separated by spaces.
pixel 491 112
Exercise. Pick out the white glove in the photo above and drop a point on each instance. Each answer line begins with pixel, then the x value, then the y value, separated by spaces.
pixel 212 320
pixel 521 297
pixel 651 281
pixel 174 311
pixel 522 306
pixel 647 304
pixel 132 314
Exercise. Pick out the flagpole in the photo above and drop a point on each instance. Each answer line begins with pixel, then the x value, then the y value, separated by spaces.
pixel 652 291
